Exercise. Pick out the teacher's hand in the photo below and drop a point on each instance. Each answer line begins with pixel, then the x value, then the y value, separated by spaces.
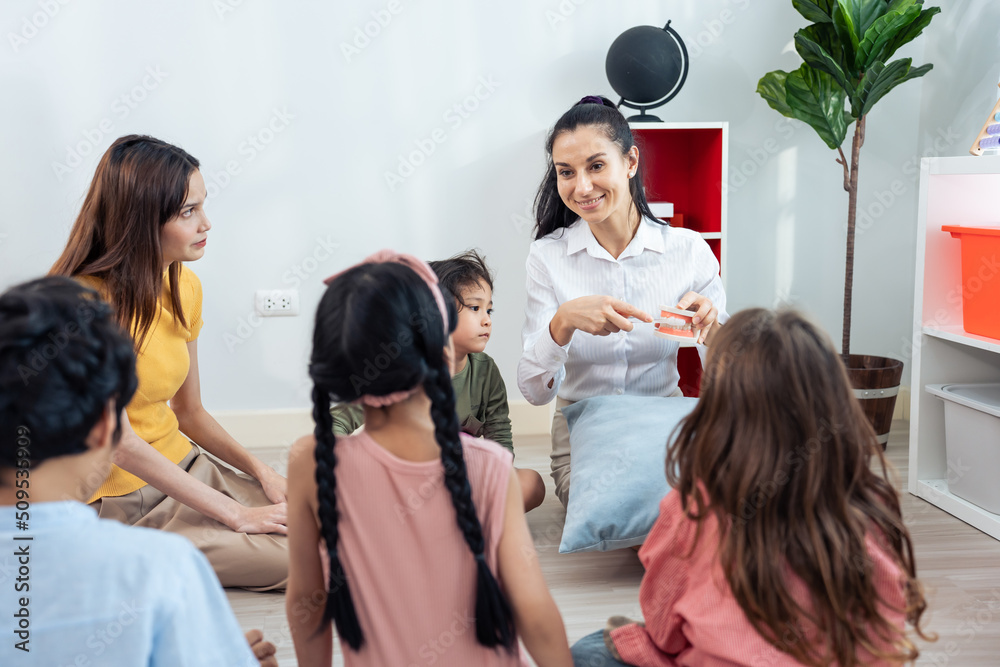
pixel 597 315
pixel 707 317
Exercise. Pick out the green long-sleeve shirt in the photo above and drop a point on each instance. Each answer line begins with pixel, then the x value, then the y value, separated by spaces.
pixel 480 402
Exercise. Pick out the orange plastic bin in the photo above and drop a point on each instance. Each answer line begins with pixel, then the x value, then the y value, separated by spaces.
pixel 980 278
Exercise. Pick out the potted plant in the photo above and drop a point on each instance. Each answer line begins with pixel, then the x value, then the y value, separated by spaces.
pixel 846 72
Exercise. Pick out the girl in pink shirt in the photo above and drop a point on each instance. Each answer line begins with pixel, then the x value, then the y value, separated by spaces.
pixel 430 558
pixel 778 545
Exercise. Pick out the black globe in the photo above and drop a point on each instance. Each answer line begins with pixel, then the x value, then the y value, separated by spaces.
pixel 647 66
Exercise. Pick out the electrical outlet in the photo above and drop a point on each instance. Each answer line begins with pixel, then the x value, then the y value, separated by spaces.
pixel 276 302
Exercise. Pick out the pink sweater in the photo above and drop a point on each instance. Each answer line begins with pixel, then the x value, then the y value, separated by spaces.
pixel 412 576
pixel 691 615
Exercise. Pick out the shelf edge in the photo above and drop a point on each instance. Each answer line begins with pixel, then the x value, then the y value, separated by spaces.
pixel 931 491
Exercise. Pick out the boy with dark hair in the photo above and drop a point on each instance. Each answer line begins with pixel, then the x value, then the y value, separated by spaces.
pixel 89 591
pixel 480 393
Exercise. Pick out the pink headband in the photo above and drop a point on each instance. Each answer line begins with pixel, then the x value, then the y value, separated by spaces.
pixel 426 273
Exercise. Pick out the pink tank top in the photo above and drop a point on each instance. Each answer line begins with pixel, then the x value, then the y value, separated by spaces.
pixel 412 576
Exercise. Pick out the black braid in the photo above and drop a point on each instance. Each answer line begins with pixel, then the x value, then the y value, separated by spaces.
pixel 379 331
pixel 339 604
pixel 494 619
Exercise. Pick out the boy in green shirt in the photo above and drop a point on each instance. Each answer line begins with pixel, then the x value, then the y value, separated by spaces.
pixel 480 393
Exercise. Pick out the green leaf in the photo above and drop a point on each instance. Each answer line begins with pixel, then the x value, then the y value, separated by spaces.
pixel 843 31
pixel 911 32
pixel 861 14
pixel 817 11
pixel 853 18
pixel 900 5
pixel 772 88
pixel 825 34
pixel 881 78
pixel 882 31
pixel 816 99
pixel 819 47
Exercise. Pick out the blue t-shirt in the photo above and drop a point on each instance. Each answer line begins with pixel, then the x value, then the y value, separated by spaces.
pixel 98 593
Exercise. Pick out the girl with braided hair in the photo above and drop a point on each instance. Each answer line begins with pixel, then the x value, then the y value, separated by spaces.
pixel 430 558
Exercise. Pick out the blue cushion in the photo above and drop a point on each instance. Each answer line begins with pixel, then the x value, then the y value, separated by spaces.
pixel 618 448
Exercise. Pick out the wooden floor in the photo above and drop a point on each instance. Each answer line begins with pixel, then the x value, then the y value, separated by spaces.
pixel 959 566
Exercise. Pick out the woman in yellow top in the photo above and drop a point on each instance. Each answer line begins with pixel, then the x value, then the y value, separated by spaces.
pixel 142 218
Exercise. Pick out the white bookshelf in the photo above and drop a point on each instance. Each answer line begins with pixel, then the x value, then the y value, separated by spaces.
pixel 953 191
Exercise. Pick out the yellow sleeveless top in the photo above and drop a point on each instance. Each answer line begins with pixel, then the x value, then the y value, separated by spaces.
pixel 162 367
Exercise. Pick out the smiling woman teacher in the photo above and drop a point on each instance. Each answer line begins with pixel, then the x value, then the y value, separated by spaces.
pixel 142 219
pixel 601 256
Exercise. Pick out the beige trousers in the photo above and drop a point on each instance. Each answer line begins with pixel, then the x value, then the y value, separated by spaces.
pixel 561 448
pixel 560 451
pixel 254 562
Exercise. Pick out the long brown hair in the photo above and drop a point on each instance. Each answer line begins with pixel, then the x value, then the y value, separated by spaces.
pixel 779 451
pixel 139 185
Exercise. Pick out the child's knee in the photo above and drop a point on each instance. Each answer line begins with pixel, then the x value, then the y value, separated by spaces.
pixel 532 488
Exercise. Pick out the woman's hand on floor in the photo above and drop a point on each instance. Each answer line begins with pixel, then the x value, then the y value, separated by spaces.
pixel 262 520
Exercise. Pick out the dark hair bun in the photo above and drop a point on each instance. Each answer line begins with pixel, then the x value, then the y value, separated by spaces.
pixel 597 99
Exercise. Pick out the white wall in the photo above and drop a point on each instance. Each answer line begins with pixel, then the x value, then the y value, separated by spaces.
pixel 223 76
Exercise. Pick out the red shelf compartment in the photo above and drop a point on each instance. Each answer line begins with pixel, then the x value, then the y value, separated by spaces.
pixel 684 166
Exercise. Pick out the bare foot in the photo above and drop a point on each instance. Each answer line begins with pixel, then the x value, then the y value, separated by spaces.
pixel 262 650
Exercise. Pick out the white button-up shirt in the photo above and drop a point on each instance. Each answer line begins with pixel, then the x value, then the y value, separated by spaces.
pixel 658 267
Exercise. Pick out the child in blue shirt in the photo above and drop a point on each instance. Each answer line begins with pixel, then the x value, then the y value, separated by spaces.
pixel 89 591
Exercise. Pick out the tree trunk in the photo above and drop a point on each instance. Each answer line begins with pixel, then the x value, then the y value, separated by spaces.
pixel 852 209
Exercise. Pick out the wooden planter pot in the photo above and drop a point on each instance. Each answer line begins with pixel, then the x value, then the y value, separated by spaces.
pixel 876 384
